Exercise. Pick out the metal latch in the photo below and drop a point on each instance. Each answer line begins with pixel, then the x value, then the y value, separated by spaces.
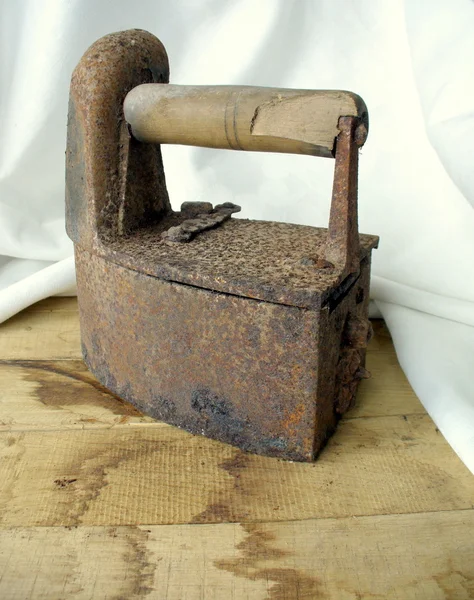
pixel 199 216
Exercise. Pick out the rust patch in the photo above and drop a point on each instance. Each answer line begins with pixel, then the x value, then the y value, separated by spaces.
pixel 343 241
pixel 286 582
pixel 293 419
pixel 257 259
pixel 356 335
pixel 110 176
pixel 182 355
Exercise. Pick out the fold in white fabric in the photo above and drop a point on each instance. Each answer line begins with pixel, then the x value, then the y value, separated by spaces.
pixel 410 61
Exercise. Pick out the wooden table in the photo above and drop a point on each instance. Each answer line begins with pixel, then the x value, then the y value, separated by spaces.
pixel 98 501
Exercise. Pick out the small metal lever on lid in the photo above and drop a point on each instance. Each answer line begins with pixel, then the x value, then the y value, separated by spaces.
pixel 315 122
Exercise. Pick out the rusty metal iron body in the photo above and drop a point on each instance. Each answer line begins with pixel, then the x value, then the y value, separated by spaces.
pixel 249 332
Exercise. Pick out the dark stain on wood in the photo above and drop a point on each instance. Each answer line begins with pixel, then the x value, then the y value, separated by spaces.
pixel 217 512
pixel 223 510
pixel 64 482
pixel 235 464
pixel 69 383
pixel 89 471
pixel 455 583
pixel 139 581
pixel 286 582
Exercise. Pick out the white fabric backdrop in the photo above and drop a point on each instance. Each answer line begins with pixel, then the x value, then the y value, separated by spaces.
pixel 411 62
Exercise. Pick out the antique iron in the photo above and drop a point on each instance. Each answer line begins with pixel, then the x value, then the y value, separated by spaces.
pixel 250 332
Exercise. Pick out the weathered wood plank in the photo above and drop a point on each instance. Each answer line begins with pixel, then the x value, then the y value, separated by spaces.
pixel 54 304
pixel 381 340
pixel 387 392
pixel 41 334
pixel 158 475
pixel 409 557
pixel 59 395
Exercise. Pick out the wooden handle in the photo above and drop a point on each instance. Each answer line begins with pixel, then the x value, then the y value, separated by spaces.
pixel 242 117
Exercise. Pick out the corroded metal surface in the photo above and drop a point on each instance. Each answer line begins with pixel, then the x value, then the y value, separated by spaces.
pixel 275 262
pixel 251 332
pixel 342 245
pixel 114 184
pixel 227 367
pixel 269 378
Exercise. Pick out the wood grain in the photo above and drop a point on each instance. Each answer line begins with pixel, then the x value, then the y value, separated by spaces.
pixel 251 118
pixel 371 466
pixel 42 333
pixel 387 392
pixel 54 304
pixel 410 557
pixel 59 395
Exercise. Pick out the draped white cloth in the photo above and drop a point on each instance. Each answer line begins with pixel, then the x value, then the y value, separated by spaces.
pixel 411 62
